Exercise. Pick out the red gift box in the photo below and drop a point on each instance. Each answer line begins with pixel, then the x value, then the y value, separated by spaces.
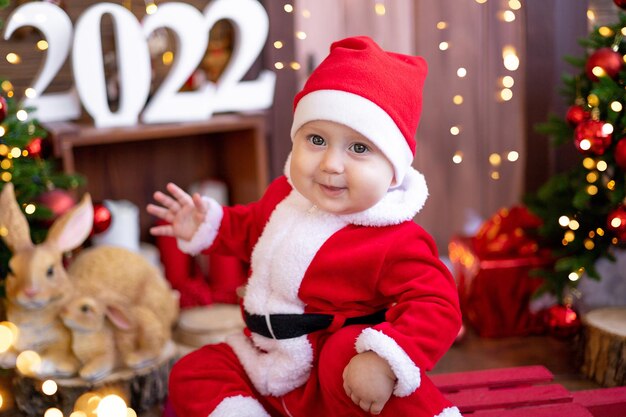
pixel 492 270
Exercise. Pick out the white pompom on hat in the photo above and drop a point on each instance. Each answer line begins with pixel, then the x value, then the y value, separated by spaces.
pixel 375 92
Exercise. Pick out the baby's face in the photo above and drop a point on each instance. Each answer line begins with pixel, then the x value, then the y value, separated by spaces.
pixel 338 169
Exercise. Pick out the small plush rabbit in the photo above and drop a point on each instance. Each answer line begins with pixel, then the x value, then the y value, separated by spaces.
pixel 93 325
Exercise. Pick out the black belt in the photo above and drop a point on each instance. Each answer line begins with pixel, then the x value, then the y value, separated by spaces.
pixel 287 326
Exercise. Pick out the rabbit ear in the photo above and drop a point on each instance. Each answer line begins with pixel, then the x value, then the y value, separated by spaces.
pixel 118 317
pixel 71 229
pixel 17 233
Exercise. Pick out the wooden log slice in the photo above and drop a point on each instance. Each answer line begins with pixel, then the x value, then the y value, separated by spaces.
pixel 201 326
pixel 604 346
pixel 141 389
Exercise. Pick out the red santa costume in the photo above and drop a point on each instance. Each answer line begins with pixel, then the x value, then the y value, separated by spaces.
pixel 372 279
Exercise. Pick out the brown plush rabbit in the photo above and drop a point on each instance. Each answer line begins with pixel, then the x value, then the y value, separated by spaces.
pixel 93 336
pixel 37 285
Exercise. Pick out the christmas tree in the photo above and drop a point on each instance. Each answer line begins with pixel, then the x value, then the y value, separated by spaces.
pixel 583 210
pixel 25 161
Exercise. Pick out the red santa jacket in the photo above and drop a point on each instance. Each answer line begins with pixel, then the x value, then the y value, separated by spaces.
pixel 304 260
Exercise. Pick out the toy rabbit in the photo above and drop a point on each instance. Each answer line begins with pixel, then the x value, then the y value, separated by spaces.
pixel 37 285
pixel 93 336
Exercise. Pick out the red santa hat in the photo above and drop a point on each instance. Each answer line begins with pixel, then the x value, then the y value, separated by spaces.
pixel 375 92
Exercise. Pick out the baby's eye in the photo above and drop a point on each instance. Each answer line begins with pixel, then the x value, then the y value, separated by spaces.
pixel 359 148
pixel 317 140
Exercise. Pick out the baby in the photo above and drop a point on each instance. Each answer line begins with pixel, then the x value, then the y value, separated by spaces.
pixel 347 304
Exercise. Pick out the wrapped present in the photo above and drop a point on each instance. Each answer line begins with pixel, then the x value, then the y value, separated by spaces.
pixel 492 270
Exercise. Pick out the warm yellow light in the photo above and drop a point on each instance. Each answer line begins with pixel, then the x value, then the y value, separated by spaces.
pixel 442 25
pixel 616 222
pixel 49 387
pixel 295 65
pixel 481 1
pixel 573 276
pixel 16 152
pixel 592 177
pixel 600 231
pixel 306 13
pixel 495 159
pixel 21 115
pixel 585 144
pixel 111 406
pixel 78 414
pixel 591 15
pixel 515 4
pixel 589 245
pixel 593 100
pixel 130 412
pixel 278 44
pixel 508 16
pixel 42 45
pixel 512 156
pixel 611 185
pixel 151 8
pixel 30 92
pixel 380 10
pixel 509 57
pixel 2 132
pixel 28 362
pixel 508 81
pixel 607 128
pixel 495 175
pixel 458 157
pixel 13 58
pixel 614 241
pixel 506 94
pixel 592 190
pixel 87 403
pixel 301 35
pixel 564 221
pixel 598 71
pixel 30 208
pixel 288 8
pixel 167 58
pixel 602 166
pixel 455 130
pixel 574 225
pixel 605 31
pixel 6 338
pixel 279 65
pixel 461 72
pixel 443 46
pixel 616 106
pixel 6 176
pixel 53 412
pixel 589 163
pixel 569 236
pixel 458 99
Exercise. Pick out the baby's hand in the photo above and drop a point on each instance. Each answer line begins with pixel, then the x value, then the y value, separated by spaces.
pixel 184 213
pixel 369 381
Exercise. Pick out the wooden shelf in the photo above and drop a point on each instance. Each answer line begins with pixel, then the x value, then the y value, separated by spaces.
pixel 130 163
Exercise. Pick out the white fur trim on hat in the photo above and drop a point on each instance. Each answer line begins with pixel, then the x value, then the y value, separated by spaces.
pixel 362 115
pixel 206 233
pixel 406 371
pixel 239 406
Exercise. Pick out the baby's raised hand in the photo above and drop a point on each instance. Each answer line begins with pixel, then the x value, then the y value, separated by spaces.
pixel 183 212
pixel 368 380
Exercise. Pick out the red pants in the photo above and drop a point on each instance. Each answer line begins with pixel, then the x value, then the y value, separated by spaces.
pixel 201 380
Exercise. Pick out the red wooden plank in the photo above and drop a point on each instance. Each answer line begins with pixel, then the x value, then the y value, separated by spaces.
pixel 502 377
pixel 560 410
pixel 484 399
pixel 605 402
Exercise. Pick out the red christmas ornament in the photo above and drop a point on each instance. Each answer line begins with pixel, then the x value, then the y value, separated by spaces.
pixel 620 154
pixel 562 321
pixel 576 115
pixel 605 58
pixel 101 218
pixel 616 222
pixel 592 138
pixel 3 109
pixel 34 147
pixel 58 201
pixel 620 3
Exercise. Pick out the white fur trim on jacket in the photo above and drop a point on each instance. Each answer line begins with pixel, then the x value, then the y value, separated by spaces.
pixel 450 412
pixel 239 406
pixel 205 235
pixel 406 371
